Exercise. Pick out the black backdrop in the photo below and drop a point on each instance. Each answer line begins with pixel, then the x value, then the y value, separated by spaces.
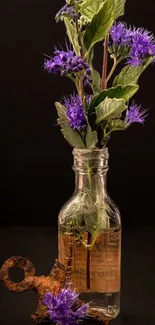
pixel 36 174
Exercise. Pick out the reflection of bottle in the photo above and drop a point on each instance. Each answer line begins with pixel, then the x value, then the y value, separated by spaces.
pixel 90 234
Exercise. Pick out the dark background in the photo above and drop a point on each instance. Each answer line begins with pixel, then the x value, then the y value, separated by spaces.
pixel 36 174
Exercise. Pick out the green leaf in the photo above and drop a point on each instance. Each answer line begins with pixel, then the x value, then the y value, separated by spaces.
pixel 72 137
pixel 91 138
pixel 91 56
pixel 79 221
pixel 100 25
pixel 85 105
pixel 72 35
pixel 96 85
pixel 90 221
pixel 61 110
pixel 110 109
pixel 89 8
pixel 130 74
pixel 125 92
pixel 96 223
pixel 119 8
pixel 116 125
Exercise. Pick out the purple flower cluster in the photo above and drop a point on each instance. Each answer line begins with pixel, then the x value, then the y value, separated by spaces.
pixel 120 35
pixel 67 11
pixel 65 63
pixel 137 44
pixel 135 114
pixel 142 46
pixel 61 307
pixel 75 111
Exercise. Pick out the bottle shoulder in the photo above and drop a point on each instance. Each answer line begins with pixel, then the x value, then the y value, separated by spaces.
pixel 113 211
pixel 90 207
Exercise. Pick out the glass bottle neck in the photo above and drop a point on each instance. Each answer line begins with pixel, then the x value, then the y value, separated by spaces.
pixel 95 182
pixel 91 166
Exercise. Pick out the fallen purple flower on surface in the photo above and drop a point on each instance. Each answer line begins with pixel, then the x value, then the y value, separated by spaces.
pixel 61 307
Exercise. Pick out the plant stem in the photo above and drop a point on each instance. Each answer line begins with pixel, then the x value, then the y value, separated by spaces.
pixel 117 129
pixel 88 240
pixel 79 38
pixel 105 63
pixel 69 262
pixel 80 81
pixel 88 261
pixel 115 64
pixel 113 69
pixel 80 88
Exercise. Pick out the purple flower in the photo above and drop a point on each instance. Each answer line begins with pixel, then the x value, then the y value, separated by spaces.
pixel 135 114
pixel 60 63
pixel 135 60
pixel 67 11
pixel 136 44
pixel 142 46
pixel 120 35
pixel 67 62
pixel 75 111
pixel 61 307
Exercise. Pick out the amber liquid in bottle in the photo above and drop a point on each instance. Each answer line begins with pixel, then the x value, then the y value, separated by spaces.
pixel 95 271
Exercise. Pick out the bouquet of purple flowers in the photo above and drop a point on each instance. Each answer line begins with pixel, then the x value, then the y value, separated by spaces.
pixel 88 117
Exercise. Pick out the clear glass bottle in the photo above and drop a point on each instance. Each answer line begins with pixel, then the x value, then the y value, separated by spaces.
pixel 89 239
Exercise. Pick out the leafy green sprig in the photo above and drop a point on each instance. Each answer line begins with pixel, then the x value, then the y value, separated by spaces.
pixel 90 25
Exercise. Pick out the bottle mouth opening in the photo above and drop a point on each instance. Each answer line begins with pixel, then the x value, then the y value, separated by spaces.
pixel 93 160
pixel 94 151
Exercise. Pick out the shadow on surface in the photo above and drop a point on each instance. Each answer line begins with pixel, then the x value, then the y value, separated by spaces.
pixel 134 319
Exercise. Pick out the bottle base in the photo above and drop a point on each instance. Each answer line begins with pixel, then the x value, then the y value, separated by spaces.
pixel 106 303
pixel 109 312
